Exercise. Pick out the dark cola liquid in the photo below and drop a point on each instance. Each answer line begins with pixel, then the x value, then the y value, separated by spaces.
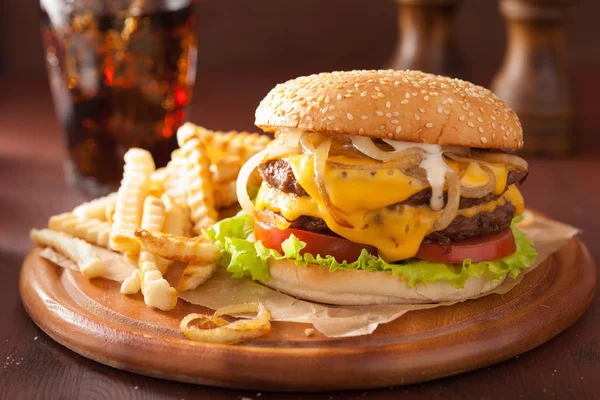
pixel 118 80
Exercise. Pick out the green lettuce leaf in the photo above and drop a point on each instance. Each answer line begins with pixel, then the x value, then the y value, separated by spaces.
pixel 246 258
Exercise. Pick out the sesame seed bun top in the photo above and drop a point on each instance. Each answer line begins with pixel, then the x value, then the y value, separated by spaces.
pixel 401 105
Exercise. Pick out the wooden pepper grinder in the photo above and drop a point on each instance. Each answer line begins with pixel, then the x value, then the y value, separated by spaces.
pixel 425 39
pixel 534 78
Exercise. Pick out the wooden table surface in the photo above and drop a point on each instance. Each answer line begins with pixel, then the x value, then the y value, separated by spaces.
pixel 32 188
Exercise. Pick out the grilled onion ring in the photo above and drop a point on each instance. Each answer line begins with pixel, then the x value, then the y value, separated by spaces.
pixel 480 191
pixel 320 159
pixel 409 161
pixel 226 332
pixel 451 209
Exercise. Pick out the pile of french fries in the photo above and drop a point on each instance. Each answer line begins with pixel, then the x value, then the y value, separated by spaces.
pixel 158 215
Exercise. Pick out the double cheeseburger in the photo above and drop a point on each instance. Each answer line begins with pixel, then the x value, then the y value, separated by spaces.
pixel 380 187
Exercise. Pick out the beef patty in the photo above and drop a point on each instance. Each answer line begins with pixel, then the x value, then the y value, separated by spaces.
pixel 279 174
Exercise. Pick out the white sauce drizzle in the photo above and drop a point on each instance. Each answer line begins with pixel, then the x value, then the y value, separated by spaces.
pixel 434 165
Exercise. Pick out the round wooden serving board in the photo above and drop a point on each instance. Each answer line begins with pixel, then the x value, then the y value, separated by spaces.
pixel 93 319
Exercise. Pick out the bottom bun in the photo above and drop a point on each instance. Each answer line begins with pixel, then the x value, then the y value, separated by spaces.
pixel 317 283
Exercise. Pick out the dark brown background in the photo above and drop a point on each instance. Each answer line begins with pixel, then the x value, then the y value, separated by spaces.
pixel 320 33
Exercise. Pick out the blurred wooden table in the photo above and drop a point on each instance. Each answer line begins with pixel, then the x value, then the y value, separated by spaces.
pixel 32 188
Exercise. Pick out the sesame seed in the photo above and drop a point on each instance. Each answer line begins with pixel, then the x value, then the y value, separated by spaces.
pixel 414 94
pixel 447 112
pixel 339 96
pixel 464 107
pixel 331 117
pixel 327 100
pixel 349 116
pixel 417 117
pixel 404 102
pixel 472 125
pixel 380 94
pixel 421 110
pixel 440 110
pixel 364 118
pixel 388 104
pixel 492 118
pixel 481 129
pixel 374 97
pixel 398 129
pixel 324 109
pixel 377 88
pixel 426 98
pixel 444 101
pixel 428 125
pixel 483 140
pixel 471 113
pixel 396 113
pixel 363 94
pixel 382 127
pixel 450 101
pixel 309 118
pixel 407 95
pixel 394 121
pixel 379 113
pixel 347 95
pixel 311 126
pixel 361 131
pixel 389 115
pixel 481 110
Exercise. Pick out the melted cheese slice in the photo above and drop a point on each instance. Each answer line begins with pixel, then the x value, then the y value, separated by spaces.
pixel 363 199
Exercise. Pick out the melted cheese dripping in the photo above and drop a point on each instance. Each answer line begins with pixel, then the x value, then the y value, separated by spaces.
pixel 434 165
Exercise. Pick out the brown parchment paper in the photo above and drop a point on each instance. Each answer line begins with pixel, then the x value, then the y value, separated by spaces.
pixel 333 321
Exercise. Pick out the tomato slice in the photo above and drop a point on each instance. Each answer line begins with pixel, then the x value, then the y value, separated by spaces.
pixel 316 243
pixel 487 248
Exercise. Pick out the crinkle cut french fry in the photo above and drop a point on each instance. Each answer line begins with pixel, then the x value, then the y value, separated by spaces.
pixel 175 187
pixel 174 218
pixel 199 186
pixel 91 230
pixel 241 144
pixel 156 290
pixel 175 184
pixel 195 275
pixel 153 220
pixel 132 285
pixel 158 179
pixel 95 209
pixel 76 250
pixel 139 165
pixel 225 169
pixel 198 250
pixel 225 194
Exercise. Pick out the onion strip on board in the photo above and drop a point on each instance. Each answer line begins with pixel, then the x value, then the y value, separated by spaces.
pixel 242 181
pixel 226 332
pixel 451 210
